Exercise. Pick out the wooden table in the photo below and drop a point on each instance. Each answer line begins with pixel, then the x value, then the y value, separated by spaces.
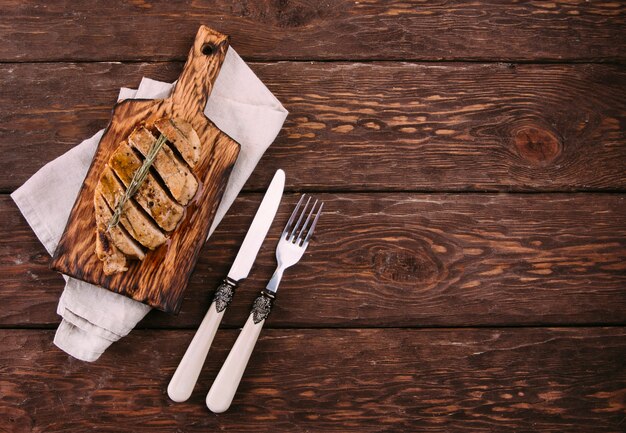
pixel 469 273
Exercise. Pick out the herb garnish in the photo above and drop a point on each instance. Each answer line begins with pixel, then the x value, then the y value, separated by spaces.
pixel 138 178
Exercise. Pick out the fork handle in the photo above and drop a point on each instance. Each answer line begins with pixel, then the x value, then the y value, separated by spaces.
pixel 275 280
pixel 225 386
pixel 186 375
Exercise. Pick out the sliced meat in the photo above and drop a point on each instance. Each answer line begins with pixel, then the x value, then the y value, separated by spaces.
pixel 184 138
pixel 114 260
pixel 150 196
pixel 158 205
pixel 121 239
pixel 136 223
pixel 175 173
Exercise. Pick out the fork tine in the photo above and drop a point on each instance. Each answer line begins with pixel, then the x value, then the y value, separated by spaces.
pixel 312 229
pixel 305 225
pixel 292 235
pixel 292 217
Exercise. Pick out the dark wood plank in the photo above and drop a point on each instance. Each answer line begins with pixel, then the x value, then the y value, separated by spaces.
pixel 391 260
pixel 378 126
pixel 162 30
pixel 523 380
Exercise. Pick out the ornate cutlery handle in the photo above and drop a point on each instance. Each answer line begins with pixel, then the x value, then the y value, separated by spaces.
pixel 225 386
pixel 188 371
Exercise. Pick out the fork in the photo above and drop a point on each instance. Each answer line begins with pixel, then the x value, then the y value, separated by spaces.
pixel 293 242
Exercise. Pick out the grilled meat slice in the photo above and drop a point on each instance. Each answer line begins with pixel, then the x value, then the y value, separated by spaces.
pixel 150 196
pixel 113 245
pixel 121 239
pixel 175 173
pixel 113 259
pixel 184 138
pixel 138 224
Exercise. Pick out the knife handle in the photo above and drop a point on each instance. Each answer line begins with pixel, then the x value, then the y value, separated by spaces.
pixel 225 386
pixel 186 375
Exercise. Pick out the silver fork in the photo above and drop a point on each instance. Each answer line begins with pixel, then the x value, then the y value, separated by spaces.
pixel 293 242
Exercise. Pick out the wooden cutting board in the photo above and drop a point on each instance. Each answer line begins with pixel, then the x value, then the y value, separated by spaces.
pixel 160 279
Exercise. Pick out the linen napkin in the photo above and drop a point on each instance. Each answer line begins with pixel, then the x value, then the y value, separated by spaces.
pixel 93 317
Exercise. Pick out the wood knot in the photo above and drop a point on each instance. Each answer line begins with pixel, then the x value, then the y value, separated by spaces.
pixel 404 265
pixel 537 145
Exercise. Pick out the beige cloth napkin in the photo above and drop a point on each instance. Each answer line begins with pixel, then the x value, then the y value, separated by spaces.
pixel 93 317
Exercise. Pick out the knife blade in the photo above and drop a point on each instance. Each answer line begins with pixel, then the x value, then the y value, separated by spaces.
pixel 188 371
pixel 258 229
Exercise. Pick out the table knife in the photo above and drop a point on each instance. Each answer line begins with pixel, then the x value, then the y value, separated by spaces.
pixel 186 375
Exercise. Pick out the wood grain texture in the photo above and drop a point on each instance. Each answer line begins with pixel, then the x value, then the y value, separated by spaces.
pixel 375 126
pixel 394 380
pixel 380 259
pixel 160 279
pixel 413 260
pixel 316 29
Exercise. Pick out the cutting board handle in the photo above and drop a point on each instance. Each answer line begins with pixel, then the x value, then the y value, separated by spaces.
pixel 203 65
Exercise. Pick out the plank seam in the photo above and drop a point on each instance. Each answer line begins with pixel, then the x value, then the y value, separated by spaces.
pixel 460 60
pixel 252 191
pixel 590 325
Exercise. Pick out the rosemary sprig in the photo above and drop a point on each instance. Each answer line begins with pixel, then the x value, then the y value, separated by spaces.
pixel 138 178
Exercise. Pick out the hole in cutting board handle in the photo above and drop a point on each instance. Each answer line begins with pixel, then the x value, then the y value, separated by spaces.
pixel 208 49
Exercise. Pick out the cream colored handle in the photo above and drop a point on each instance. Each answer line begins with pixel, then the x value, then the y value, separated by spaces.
pixel 186 375
pixel 223 390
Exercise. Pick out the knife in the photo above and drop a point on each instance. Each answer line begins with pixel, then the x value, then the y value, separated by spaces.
pixel 186 375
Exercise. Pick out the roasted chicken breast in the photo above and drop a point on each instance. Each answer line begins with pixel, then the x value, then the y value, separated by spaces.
pixel 184 138
pixel 158 205
pixel 174 172
pixel 151 196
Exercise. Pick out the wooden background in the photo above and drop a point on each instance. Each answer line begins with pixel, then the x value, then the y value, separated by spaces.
pixel 469 273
